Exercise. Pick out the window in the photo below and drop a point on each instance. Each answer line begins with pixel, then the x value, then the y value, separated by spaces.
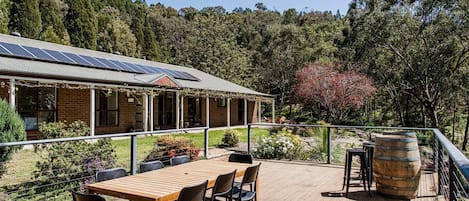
pixel 221 102
pixel 36 105
pixel 107 108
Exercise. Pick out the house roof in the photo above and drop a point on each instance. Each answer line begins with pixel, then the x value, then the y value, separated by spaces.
pixel 67 71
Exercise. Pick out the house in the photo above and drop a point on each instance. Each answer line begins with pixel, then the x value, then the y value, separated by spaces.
pixel 47 82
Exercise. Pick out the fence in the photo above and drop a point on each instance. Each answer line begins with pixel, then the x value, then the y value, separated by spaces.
pixel 51 167
pixel 450 164
pixel 52 183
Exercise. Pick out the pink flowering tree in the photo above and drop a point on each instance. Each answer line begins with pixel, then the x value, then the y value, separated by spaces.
pixel 325 88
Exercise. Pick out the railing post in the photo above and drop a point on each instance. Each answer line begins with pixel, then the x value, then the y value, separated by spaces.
pixel 249 139
pixel 452 180
pixel 206 143
pixel 439 165
pixel 329 145
pixel 133 154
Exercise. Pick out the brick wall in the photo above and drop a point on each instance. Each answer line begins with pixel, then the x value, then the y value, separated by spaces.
pixel 4 90
pixel 217 114
pixel 73 104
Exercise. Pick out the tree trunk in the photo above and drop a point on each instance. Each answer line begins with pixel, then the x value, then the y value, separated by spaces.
pixel 464 142
pixel 454 122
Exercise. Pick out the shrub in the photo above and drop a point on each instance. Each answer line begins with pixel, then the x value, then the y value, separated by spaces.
pixel 231 138
pixel 282 145
pixel 66 165
pixel 168 146
pixel 11 130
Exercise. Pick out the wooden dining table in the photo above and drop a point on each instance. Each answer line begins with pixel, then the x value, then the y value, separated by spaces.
pixel 165 184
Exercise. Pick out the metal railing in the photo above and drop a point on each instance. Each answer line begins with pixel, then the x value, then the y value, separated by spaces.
pixel 55 184
pixel 450 164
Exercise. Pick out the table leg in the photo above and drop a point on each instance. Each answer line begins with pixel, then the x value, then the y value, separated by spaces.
pixel 257 189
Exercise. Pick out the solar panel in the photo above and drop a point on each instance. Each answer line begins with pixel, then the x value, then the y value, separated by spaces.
pixel 94 62
pixel 194 78
pixel 77 58
pixel 169 72
pixel 179 74
pixel 140 68
pixel 4 51
pixel 39 53
pixel 156 69
pixel 16 50
pixel 59 56
pixel 67 57
pixel 124 67
pixel 135 68
pixel 108 63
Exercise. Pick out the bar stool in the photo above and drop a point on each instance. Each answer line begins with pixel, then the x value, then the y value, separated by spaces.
pixel 369 147
pixel 348 167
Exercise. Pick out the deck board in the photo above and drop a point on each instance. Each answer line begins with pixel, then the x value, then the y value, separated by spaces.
pixel 305 181
pixel 285 180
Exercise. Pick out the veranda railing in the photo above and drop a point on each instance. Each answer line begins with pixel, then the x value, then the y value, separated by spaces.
pixel 450 164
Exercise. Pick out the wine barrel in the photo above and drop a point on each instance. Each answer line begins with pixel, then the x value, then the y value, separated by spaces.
pixel 396 165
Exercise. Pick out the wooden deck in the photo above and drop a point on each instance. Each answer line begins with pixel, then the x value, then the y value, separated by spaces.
pixel 302 181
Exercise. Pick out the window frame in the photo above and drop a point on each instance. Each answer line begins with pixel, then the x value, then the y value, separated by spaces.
pixel 100 111
pixel 37 110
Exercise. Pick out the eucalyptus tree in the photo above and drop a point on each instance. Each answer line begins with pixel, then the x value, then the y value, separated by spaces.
pixel 114 35
pixel 414 49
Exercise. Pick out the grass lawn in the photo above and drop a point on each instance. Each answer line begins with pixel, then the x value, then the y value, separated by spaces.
pixel 145 144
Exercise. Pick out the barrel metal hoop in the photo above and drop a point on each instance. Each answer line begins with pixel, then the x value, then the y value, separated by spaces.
pixel 397 178
pixel 398 148
pixel 398 139
pixel 392 158
pixel 398 188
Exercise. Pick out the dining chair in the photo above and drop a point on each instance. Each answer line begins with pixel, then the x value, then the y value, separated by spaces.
pixel 149 166
pixel 179 160
pixel 193 193
pixel 80 196
pixel 240 158
pixel 223 186
pixel 108 174
pixel 249 178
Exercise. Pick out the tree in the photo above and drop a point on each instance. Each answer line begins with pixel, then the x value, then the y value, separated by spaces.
pixel 49 35
pixel 11 130
pixel 283 51
pixel 25 18
pixel 333 91
pixel 52 23
pixel 114 35
pixel 139 15
pixel 414 50
pixel 81 24
pixel 4 15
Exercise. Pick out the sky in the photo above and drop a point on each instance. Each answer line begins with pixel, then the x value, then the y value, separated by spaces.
pixel 279 5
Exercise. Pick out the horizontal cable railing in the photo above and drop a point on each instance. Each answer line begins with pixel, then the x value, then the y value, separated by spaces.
pixel 35 178
pixel 47 169
pixel 450 164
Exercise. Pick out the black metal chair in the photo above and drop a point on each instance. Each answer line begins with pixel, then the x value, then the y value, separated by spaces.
pixel 179 160
pixel 79 196
pixel 249 178
pixel 240 158
pixel 193 193
pixel 149 166
pixel 223 186
pixel 108 174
